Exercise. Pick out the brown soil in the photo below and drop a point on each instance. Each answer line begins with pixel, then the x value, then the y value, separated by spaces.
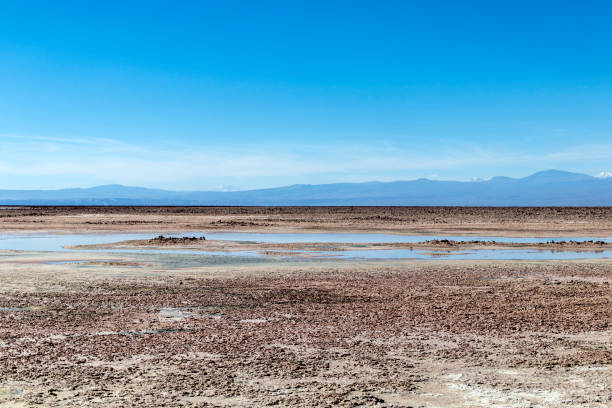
pixel 118 329
pixel 460 334
pixel 510 221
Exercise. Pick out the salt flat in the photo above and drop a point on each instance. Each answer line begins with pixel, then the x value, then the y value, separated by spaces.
pixel 153 329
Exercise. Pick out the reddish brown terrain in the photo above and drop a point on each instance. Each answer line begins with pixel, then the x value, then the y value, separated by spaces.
pixel 128 329
pixel 511 221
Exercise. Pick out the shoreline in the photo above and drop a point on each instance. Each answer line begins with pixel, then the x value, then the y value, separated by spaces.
pixel 180 243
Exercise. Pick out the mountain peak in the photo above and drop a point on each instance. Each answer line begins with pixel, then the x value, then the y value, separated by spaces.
pixel 556 176
pixel 549 187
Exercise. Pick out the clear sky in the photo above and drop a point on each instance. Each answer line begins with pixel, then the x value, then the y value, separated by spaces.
pixel 220 95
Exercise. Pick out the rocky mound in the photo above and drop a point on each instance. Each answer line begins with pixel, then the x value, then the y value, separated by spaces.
pixel 175 240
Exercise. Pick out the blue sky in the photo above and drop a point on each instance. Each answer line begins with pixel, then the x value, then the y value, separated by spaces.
pixel 223 95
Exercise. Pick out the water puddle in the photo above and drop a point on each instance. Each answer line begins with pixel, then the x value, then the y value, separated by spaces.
pixel 77 261
pixel 65 262
pixel 364 238
pixel 59 242
pixel 154 331
pixel 492 254
pixel 14 309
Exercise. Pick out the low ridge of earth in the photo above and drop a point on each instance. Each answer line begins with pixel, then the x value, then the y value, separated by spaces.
pixel 491 221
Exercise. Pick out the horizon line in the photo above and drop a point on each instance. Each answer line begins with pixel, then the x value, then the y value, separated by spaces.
pixel 601 175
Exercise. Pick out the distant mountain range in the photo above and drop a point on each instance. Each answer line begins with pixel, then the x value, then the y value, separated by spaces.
pixel 546 188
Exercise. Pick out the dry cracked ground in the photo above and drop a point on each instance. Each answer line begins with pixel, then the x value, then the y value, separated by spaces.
pixel 122 330
pixel 391 334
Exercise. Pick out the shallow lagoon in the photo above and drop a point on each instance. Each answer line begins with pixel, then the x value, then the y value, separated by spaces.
pixel 58 242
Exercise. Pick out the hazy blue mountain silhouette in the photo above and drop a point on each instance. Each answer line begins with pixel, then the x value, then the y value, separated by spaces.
pixel 550 187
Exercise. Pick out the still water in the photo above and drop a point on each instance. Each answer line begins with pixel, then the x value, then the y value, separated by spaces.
pixel 58 242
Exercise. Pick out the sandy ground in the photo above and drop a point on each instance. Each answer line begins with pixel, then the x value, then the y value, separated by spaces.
pixel 118 329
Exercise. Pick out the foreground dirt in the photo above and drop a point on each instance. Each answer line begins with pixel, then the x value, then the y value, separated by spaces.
pixel 125 332
pixel 509 221
pixel 116 330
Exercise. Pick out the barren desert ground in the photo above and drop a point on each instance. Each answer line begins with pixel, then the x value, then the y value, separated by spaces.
pixel 166 323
